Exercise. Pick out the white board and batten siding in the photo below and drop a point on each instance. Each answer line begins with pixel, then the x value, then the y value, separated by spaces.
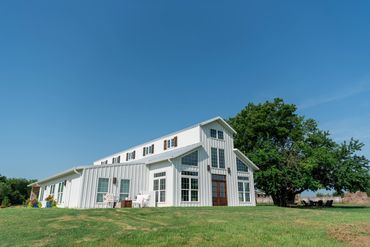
pixel 137 174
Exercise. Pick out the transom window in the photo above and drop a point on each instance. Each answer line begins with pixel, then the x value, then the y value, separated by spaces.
pixel 240 166
pixel 189 186
pixel 102 189
pixel 190 159
pixel 60 192
pixel 244 191
pixel 124 189
pixel 159 187
pixel 218 158
pixel 159 174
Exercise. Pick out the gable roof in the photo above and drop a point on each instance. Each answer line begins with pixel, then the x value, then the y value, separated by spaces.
pixel 221 121
pixel 244 158
pixel 218 119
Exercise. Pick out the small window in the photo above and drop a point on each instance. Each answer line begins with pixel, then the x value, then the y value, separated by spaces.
pixel 240 166
pixel 148 150
pixel 213 133
pixel 214 157
pixel 220 135
pixel 130 156
pixel 189 173
pixel 159 174
pixel 221 158
pixel 124 189
pixel 190 159
pixel 102 189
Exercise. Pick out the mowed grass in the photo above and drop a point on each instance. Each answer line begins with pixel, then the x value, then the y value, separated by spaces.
pixel 206 226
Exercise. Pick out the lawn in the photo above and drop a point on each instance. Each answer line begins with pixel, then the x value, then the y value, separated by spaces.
pixel 207 226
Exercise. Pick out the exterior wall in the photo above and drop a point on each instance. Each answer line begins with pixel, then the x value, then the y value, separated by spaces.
pixel 137 174
pixel 71 191
pixel 184 138
pixel 167 167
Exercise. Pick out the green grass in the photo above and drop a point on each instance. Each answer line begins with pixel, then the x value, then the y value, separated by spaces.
pixel 207 226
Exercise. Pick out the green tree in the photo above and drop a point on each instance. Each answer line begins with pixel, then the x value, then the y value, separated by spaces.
pixel 294 155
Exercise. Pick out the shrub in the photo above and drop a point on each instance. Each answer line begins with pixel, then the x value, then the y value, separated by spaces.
pixel 5 203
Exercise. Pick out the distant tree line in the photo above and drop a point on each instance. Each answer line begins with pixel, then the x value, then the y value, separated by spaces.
pixel 14 191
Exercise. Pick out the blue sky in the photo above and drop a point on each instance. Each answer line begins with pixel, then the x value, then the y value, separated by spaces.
pixel 83 79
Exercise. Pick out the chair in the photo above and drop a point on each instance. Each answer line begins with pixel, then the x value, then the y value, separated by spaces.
pixel 141 201
pixel 320 203
pixel 329 203
pixel 312 203
pixel 304 203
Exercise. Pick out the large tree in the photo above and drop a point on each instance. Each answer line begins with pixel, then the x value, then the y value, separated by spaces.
pixel 294 155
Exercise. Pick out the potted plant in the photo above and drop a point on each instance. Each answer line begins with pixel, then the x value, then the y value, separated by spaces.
pixel 50 202
pixel 34 203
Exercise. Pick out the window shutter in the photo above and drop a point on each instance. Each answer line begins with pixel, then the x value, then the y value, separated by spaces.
pixel 152 148
pixel 165 144
pixel 133 155
pixel 175 141
pixel 126 156
pixel 119 159
pixel 143 151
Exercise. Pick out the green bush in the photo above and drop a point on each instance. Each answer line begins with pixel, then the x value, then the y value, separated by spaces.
pixel 5 203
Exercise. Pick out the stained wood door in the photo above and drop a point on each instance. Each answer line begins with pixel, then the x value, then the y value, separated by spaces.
pixel 219 190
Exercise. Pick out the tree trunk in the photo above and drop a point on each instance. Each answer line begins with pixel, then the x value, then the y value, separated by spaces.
pixel 284 198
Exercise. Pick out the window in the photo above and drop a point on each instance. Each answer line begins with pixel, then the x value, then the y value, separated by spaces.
pixel 190 159
pixel 41 194
pixel 52 189
pixel 221 158
pixel 243 189
pixel 60 192
pixel 102 189
pixel 124 189
pixel 218 158
pixel 243 178
pixel 148 150
pixel 214 157
pixel 116 159
pixel 220 135
pixel 159 174
pixel 189 173
pixel 213 133
pixel 240 166
pixel 159 187
pixel 130 156
pixel 104 162
pixel 170 143
pixel 189 187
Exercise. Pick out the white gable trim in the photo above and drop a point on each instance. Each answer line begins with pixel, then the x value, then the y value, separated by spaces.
pixel 244 158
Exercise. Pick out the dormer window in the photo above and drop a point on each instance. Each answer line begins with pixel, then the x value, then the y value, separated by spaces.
pixel 170 143
pixel 104 162
pixel 148 150
pixel 130 156
pixel 116 159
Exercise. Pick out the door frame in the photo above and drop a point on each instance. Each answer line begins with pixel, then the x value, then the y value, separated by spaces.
pixel 219 201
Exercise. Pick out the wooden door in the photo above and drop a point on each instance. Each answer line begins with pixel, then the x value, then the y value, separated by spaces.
pixel 219 190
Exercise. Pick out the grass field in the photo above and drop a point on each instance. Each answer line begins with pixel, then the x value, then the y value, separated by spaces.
pixel 208 226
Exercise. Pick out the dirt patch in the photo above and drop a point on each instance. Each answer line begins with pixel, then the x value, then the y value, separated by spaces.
pixel 357 235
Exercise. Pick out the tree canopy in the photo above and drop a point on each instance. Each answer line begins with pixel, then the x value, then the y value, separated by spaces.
pixel 294 155
pixel 13 191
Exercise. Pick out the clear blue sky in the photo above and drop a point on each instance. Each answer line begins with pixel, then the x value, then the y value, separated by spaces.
pixel 83 79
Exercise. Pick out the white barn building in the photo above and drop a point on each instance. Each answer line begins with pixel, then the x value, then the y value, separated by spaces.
pixel 196 166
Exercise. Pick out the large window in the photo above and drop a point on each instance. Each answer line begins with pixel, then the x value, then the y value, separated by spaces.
pixel 60 192
pixel 102 189
pixel 124 189
pixel 240 166
pixel 52 189
pixel 190 159
pixel 159 187
pixel 214 157
pixel 243 189
pixel 189 187
pixel 218 158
